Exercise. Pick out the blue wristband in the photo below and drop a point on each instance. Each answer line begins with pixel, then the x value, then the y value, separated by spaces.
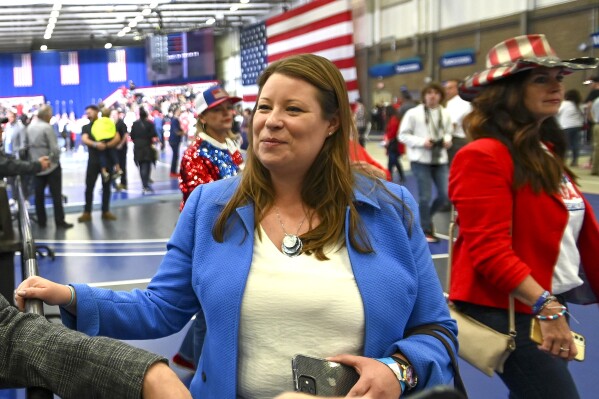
pixel 536 308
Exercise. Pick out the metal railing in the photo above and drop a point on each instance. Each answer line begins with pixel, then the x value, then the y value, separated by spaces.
pixel 29 266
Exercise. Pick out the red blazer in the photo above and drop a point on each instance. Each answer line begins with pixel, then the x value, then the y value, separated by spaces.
pixel 358 153
pixel 391 133
pixel 506 235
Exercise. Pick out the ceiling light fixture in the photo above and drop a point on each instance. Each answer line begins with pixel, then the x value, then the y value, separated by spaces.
pixel 108 46
pixel 43 47
pixel 154 4
pixel 146 11
pixel 54 13
pixel 57 7
pixel 234 7
pixel 121 34
pixel 133 24
pixel 127 29
pixel 139 18
pixel 52 20
pixel 47 36
pixel 244 1
pixel 210 21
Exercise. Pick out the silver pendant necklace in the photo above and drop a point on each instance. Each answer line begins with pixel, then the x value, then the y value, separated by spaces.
pixel 292 244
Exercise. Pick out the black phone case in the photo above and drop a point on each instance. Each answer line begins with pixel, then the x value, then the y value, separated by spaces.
pixel 323 378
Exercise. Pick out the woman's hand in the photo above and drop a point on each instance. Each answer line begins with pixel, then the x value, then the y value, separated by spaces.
pixel 46 290
pixel 557 337
pixel 377 381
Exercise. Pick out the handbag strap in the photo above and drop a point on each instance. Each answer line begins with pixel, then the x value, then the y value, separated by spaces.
pixel 451 236
pixel 435 330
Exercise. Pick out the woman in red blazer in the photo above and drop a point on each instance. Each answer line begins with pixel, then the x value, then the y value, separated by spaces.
pixel 524 227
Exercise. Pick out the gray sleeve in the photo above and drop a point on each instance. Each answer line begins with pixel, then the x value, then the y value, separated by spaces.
pixel 34 352
pixel 54 151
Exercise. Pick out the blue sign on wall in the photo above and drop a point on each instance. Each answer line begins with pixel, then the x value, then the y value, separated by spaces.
pixel 595 39
pixel 382 70
pixel 408 65
pixel 457 58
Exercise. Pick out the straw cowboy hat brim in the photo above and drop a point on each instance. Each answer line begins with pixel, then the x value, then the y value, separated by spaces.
pixel 516 55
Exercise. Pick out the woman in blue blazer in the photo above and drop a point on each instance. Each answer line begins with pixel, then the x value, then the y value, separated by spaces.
pixel 297 255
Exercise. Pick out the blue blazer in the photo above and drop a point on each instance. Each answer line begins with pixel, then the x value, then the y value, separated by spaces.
pixel 398 284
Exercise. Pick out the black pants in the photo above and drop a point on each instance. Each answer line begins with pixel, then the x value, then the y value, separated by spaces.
pixel 145 170
pixel 93 170
pixel 54 181
pixel 456 145
pixel 175 160
pixel 395 163
pixel 122 158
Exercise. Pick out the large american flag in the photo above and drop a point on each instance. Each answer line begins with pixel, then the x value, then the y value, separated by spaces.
pixel 22 73
pixel 117 65
pixel 322 27
pixel 69 68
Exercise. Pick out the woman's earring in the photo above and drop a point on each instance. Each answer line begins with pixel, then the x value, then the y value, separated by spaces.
pixel 331 132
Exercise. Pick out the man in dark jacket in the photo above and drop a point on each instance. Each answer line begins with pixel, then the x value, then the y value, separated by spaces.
pixel 10 166
pixel 35 352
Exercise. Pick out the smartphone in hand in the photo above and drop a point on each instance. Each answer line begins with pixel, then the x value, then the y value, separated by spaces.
pixel 536 336
pixel 321 377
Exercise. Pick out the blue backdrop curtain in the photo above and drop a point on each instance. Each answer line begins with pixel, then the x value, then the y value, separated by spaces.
pixel 93 78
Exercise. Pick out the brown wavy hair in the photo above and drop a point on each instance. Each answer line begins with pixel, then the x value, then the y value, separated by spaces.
pixel 499 112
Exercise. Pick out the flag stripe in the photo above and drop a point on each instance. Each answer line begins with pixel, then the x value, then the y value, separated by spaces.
pixel 117 66
pixel 331 32
pixel 310 28
pixel 314 48
pixel 304 15
pixel 22 71
pixel 69 68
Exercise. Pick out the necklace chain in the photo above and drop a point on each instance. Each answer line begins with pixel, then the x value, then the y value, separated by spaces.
pixel 283 226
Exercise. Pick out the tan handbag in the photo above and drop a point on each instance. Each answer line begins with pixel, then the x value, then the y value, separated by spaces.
pixel 480 345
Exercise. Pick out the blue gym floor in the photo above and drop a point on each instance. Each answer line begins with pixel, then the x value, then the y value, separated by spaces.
pixel 126 253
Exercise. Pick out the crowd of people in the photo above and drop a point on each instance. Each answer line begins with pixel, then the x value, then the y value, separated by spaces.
pixel 307 207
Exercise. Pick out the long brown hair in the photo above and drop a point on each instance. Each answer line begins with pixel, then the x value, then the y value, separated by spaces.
pixel 328 185
pixel 499 112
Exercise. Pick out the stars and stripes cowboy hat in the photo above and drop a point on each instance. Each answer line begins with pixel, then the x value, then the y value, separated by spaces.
pixel 519 54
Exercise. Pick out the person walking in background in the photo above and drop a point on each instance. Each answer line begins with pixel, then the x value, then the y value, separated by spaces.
pixel 121 147
pixel 174 140
pixel 246 250
pixel 571 120
pixel 42 142
pixel 94 168
pixel 395 148
pixel 525 229
pixel 19 148
pixel 457 110
pixel 360 120
pixel 143 134
pixel 11 166
pixel 426 132
pixel 158 120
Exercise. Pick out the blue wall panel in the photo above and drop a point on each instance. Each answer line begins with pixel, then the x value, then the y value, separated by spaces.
pixel 93 77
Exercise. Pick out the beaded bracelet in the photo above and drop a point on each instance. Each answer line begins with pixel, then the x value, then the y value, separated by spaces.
pixel 70 287
pixel 556 316
pixel 549 299
pixel 536 308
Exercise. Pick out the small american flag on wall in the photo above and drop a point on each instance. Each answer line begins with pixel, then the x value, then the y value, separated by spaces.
pixel 69 68
pixel 22 73
pixel 117 65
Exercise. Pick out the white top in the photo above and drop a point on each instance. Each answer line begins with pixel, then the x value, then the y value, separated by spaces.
pixel 565 274
pixel 569 115
pixel 595 110
pixel 294 306
pixel 414 130
pixel 458 109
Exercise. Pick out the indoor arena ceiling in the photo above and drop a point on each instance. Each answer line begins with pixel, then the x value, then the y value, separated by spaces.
pixel 26 25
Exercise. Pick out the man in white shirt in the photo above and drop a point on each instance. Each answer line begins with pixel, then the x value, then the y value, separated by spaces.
pixel 426 131
pixel 457 109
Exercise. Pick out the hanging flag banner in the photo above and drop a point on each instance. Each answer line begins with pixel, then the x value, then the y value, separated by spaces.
pixel 457 58
pixel 595 39
pixel 408 65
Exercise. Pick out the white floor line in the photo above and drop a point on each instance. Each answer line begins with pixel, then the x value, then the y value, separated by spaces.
pixel 440 256
pixel 134 241
pixel 107 254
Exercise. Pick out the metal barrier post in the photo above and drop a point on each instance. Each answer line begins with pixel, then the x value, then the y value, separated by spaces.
pixel 9 244
pixel 29 265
